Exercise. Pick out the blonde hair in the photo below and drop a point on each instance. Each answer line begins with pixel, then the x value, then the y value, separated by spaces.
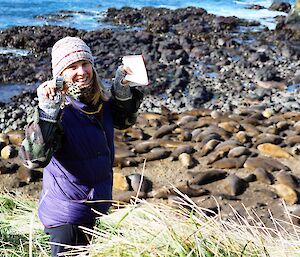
pixel 100 90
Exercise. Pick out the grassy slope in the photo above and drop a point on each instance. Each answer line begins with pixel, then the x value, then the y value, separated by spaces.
pixel 145 229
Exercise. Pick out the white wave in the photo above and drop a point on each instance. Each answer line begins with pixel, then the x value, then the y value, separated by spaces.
pixel 14 51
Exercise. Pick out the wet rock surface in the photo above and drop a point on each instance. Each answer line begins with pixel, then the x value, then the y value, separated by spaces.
pixel 219 119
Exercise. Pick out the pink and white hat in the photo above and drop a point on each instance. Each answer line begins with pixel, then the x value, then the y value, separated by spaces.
pixel 67 51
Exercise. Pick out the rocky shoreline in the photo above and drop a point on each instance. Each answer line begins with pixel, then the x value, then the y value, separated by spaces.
pixel 213 81
pixel 194 59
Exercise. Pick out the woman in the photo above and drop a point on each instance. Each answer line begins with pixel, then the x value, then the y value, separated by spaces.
pixel 71 136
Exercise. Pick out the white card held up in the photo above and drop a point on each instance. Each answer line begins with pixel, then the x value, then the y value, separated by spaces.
pixel 137 66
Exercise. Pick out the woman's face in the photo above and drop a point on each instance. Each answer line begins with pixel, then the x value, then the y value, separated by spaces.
pixel 80 73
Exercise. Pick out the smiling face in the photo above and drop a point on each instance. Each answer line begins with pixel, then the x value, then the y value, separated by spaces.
pixel 80 73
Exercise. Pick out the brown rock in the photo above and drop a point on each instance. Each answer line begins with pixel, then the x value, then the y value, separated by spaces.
pixel 267 113
pixel 8 152
pixel 16 137
pixel 3 169
pixel 120 182
pixel 3 140
pixel 24 175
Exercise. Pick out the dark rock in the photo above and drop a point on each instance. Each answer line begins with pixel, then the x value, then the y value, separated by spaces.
pixel 268 74
pixel 280 6
pixel 255 7
pixel 199 95
pixel 138 182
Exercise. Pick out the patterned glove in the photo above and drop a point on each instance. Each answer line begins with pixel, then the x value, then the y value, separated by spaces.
pixel 49 108
pixel 122 92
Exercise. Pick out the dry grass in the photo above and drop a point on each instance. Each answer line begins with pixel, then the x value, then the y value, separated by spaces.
pixel 146 229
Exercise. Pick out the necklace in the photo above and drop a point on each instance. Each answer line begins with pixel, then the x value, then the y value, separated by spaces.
pixel 86 112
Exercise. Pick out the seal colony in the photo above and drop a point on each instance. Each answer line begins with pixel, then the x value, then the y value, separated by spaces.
pixel 228 156
pixel 217 123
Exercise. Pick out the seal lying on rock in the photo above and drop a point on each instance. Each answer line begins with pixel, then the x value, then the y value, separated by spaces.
pixel 233 185
pixel 273 150
pixel 230 163
pixel 266 163
pixel 181 149
pixel 205 177
pixel 186 188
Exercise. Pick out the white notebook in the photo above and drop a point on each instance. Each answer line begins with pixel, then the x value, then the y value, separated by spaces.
pixel 137 65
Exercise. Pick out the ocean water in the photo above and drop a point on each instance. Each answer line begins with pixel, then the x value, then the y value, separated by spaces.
pixel 22 12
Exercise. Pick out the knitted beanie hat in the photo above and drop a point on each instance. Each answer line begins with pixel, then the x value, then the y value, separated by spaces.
pixel 67 51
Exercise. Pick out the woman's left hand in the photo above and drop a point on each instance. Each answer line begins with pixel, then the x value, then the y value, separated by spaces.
pixel 125 70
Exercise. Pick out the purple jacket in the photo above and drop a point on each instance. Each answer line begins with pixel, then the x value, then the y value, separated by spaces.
pixel 80 170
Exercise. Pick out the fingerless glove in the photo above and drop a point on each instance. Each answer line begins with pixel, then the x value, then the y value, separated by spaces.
pixel 121 92
pixel 49 108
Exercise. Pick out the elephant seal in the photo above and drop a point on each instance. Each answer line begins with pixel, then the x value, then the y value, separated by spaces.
pixel 181 149
pixel 186 160
pixel 268 164
pixel 126 196
pixel 263 176
pixel 164 130
pixel 157 154
pixel 206 177
pixel 288 194
pixel 285 178
pixel 230 163
pixel 187 189
pixel 273 150
pixel 233 185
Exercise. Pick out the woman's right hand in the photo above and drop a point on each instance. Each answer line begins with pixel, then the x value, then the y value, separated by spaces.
pixel 49 89
pixel 50 98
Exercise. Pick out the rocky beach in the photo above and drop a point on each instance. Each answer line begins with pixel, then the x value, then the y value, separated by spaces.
pixel 219 120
